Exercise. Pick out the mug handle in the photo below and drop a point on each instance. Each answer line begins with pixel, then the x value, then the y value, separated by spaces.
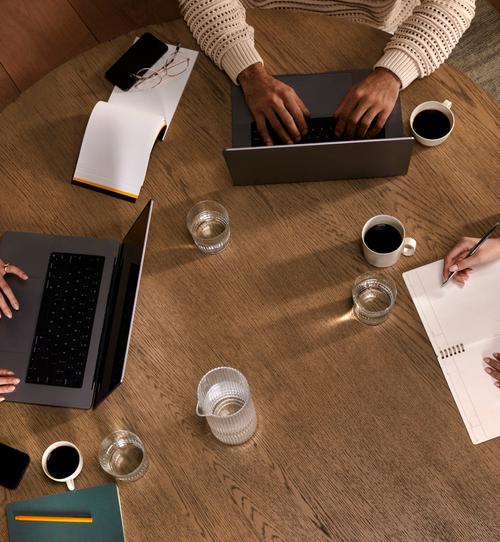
pixel 409 246
pixel 71 484
pixel 447 104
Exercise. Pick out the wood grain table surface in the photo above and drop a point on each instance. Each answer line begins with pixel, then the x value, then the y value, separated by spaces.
pixel 358 436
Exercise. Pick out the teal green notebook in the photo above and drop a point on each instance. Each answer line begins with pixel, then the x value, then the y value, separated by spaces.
pixel 102 503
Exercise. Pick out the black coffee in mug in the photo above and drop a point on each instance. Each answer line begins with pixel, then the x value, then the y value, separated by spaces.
pixel 431 124
pixel 383 238
pixel 63 462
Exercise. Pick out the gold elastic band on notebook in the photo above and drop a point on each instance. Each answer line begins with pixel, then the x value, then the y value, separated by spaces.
pixel 107 188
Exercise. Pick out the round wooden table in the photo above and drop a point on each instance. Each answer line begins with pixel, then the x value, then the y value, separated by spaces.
pixel 359 438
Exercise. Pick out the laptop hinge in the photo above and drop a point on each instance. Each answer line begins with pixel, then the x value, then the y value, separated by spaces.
pixel 103 343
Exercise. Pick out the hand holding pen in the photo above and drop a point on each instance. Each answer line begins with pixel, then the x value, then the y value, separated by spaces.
pixel 467 254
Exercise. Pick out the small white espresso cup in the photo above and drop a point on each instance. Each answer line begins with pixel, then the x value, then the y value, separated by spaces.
pixel 385 259
pixel 70 478
pixel 443 107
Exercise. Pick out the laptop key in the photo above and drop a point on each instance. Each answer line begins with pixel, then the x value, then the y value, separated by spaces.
pixel 320 130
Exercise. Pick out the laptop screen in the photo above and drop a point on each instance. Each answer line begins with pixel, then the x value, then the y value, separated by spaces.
pixel 122 303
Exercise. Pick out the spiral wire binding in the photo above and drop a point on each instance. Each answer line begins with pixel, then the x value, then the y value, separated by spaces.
pixel 452 351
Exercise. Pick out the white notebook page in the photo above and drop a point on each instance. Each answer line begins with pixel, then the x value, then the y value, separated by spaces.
pixel 116 147
pixel 468 316
pixel 475 394
pixel 453 315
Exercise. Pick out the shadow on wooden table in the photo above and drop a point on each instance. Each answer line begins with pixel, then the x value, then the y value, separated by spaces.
pixel 309 330
pixel 293 199
pixel 51 160
pixel 56 420
pixel 312 272
pixel 478 227
pixel 172 258
pixel 178 248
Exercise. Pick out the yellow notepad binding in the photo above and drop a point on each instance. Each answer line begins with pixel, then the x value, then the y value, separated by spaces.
pixel 106 189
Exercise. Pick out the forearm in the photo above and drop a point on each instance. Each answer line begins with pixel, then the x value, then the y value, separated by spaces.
pixel 221 30
pixel 425 40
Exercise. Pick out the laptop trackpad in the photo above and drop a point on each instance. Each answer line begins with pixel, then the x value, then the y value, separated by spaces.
pixel 16 334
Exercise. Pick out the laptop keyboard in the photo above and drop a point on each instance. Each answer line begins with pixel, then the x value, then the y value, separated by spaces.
pixel 65 320
pixel 321 130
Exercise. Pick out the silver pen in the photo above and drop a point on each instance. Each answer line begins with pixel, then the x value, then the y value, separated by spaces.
pixel 474 249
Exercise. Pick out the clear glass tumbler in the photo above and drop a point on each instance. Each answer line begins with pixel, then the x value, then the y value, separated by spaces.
pixel 122 455
pixel 208 224
pixel 374 295
pixel 224 399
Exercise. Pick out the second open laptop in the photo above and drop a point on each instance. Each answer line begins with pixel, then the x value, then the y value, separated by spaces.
pixel 68 343
pixel 250 162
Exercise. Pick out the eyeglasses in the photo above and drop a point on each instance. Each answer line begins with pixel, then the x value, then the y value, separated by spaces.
pixel 147 78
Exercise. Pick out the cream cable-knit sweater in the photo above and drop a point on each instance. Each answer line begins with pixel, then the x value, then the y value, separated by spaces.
pixel 425 31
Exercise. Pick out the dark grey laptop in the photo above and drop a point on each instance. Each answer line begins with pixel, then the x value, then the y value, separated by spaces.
pixel 68 344
pixel 250 162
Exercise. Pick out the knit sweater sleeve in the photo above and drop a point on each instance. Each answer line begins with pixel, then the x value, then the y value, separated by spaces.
pixel 220 28
pixel 426 38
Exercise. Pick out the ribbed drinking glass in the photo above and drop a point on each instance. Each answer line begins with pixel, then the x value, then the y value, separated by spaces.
pixel 208 224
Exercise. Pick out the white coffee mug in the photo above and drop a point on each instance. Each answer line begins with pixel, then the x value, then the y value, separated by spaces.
pixel 378 259
pixel 70 479
pixel 443 107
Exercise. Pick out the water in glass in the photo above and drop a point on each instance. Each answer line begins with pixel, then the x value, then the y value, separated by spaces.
pixel 373 295
pixel 208 223
pixel 123 456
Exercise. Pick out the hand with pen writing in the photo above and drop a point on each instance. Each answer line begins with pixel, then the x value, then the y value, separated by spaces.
pixel 458 260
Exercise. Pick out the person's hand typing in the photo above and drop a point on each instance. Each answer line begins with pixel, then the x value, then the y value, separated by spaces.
pixel 8 382
pixel 270 99
pixel 368 103
pixel 6 293
pixel 458 260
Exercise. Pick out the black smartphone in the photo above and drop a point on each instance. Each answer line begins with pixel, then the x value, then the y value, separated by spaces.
pixel 13 465
pixel 143 54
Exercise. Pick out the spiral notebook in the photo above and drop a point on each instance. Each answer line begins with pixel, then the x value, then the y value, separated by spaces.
pixel 463 326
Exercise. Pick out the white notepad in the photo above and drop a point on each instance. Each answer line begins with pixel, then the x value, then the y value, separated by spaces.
pixel 463 326
pixel 115 150
pixel 120 134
